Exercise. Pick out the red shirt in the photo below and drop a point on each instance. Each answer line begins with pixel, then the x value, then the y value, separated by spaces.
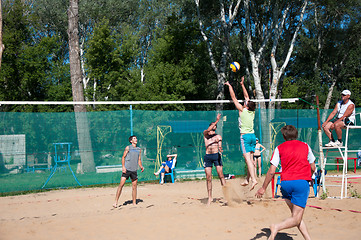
pixel 295 157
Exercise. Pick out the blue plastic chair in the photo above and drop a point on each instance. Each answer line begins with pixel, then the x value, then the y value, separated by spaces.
pixel 171 174
pixel 277 184
pixel 315 185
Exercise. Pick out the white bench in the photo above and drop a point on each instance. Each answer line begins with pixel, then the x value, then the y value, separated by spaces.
pixel 184 173
pixel 108 168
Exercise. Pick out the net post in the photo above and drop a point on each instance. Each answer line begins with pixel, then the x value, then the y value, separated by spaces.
pixel 319 131
pixel 131 119
pixel 260 131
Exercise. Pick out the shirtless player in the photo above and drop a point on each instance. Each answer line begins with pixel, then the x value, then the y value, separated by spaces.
pixel 213 143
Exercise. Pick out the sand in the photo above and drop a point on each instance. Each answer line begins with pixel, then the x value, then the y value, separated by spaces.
pixel 171 211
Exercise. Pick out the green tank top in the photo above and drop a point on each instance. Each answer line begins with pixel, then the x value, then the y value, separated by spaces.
pixel 245 121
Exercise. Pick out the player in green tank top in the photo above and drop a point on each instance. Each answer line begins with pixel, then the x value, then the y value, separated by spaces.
pixel 248 139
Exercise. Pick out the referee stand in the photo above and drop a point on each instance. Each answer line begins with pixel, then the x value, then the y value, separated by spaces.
pixel 344 157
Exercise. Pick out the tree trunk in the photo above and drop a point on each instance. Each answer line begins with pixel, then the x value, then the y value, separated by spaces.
pixel 84 140
pixel 257 81
pixel 328 99
pixel 85 79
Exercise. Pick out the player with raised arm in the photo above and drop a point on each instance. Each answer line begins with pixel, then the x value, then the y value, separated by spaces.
pixel 248 138
pixel 213 143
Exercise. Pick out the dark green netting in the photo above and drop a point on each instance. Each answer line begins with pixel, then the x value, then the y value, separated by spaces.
pixel 187 126
pixel 30 137
pixel 301 122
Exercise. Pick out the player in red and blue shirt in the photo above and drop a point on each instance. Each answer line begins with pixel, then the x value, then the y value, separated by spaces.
pixel 298 165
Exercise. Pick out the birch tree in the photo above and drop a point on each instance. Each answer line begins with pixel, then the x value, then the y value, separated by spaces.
pixel 278 72
pixel 226 20
pixel 282 19
pixel 84 140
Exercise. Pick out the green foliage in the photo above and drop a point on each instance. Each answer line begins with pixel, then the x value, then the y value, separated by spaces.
pixel 15 37
pixel 29 65
pixel 354 193
pixel 328 49
pixel 176 68
pixel 29 72
pixel 110 59
pixel 153 50
pixel 355 88
pixel 303 88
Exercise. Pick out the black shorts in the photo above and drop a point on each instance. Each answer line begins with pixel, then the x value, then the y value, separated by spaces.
pixel 346 121
pixel 256 156
pixel 210 159
pixel 133 175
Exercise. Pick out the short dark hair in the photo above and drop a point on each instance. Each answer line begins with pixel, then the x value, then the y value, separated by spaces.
pixel 251 106
pixel 131 137
pixel 289 132
pixel 211 124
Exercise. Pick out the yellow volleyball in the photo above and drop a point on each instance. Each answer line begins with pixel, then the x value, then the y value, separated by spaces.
pixel 235 66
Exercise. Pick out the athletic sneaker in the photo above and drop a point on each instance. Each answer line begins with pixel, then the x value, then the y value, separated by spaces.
pixel 330 144
pixel 338 144
pixel 334 144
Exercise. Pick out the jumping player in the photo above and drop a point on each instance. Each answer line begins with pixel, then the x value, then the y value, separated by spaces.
pixel 298 165
pixel 248 139
pixel 130 161
pixel 213 143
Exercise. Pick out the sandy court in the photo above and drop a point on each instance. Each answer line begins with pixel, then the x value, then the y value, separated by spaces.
pixel 170 211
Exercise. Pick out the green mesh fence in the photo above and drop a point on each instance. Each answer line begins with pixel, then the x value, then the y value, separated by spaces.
pixel 27 149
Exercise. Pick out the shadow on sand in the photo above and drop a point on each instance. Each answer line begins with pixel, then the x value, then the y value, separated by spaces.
pixel 131 202
pixel 280 236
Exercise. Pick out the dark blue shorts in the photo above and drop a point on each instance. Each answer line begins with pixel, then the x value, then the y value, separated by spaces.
pixel 212 159
pixel 132 174
pixel 296 191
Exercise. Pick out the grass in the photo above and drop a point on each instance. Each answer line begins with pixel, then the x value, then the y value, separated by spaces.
pixel 27 183
pixel 354 193
pixel 32 182
pixel 105 185
pixel 323 196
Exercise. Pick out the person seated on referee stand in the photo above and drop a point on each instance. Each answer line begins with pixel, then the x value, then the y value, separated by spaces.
pixel 166 166
pixel 345 115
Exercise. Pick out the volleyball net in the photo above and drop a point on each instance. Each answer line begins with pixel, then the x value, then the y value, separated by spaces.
pixel 28 140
